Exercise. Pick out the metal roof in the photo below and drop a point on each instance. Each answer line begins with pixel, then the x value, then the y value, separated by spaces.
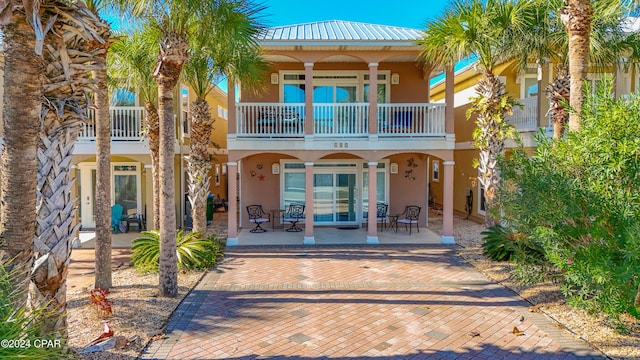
pixel 338 30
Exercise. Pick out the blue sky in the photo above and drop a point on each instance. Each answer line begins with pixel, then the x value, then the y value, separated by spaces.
pixel 408 13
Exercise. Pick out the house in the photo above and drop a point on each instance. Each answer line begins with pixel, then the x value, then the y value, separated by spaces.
pixel 317 136
pixel 131 184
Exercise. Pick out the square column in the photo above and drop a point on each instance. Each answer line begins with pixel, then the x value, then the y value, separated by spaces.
pixel 447 206
pixel 232 220
pixel 308 100
pixel 373 101
pixel 231 108
pixel 308 199
pixel 372 229
pixel 449 119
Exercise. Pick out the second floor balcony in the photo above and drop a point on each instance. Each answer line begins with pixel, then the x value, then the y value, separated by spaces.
pixel 126 124
pixel 287 120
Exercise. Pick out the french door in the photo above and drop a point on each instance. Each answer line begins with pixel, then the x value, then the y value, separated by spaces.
pixel 335 197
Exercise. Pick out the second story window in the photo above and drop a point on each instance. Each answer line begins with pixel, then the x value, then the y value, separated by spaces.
pixel 123 97
pixel 184 110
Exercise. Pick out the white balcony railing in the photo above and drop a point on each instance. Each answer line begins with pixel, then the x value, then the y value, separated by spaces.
pixel 126 124
pixel 339 119
pixel 411 120
pixel 525 118
pixel 270 119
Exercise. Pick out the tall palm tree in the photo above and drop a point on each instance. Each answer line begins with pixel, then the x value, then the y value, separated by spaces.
pixel 22 99
pixel 70 56
pixel 545 40
pixel 103 152
pixel 237 55
pixel 131 64
pixel 178 21
pixel 479 28
pixel 576 16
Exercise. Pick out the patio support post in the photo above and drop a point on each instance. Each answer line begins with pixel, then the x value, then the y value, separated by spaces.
pixel 231 108
pixel 449 119
pixel 447 206
pixel 373 101
pixel 308 100
pixel 232 220
pixel 308 209
pixel 372 230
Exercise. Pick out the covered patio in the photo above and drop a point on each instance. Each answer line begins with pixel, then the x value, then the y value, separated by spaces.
pixel 338 236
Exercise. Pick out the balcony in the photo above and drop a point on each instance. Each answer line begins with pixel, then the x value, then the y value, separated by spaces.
pixel 524 118
pixel 126 124
pixel 330 120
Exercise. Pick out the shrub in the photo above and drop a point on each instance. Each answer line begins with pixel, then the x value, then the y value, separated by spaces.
pixel 497 243
pixel 578 199
pixel 26 327
pixel 192 251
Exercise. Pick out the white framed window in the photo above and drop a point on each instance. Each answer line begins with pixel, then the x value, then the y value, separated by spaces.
pixel 482 205
pixel 184 110
pixel 123 97
pixel 222 113
pixel 333 86
pixel 217 175
pixel 435 173
pixel 594 80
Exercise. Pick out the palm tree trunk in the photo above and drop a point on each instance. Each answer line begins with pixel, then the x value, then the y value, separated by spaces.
pixel 22 100
pixel 153 132
pixel 199 163
pixel 168 260
pixel 103 182
pixel 577 18
pixel 558 94
pixel 490 136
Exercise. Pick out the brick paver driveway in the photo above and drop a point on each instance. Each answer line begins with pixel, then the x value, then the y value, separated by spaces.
pixel 357 303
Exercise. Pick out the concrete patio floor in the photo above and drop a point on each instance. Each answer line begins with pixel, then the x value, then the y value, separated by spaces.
pixel 357 302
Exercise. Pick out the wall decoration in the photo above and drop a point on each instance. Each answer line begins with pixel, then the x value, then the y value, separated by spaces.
pixel 436 171
pixel 217 175
pixel 411 163
pixel 261 177
pixel 259 166
pixel 408 174
pixel 252 173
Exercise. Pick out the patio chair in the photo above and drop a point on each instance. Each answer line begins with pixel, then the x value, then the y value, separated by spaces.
pixel 258 217
pixel 409 217
pixel 293 215
pixel 116 217
pixel 133 217
pixel 381 215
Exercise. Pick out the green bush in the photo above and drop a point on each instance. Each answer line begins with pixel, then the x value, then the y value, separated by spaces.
pixel 497 243
pixel 578 200
pixel 25 327
pixel 192 251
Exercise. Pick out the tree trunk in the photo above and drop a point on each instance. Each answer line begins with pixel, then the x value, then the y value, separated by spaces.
pixel 22 98
pixel 199 163
pixel 153 132
pixel 558 94
pixel 576 16
pixel 103 182
pixel 490 136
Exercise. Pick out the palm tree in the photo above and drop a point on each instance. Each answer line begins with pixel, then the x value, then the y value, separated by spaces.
pixel 178 22
pixel 131 64
pixel 479 28
pixel 238 56
pixel 545 40
pixel 103 153
pixel 576 16
pixel 70 56
pixel 22 101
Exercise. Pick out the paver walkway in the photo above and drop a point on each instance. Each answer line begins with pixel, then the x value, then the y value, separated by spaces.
pixel 367 302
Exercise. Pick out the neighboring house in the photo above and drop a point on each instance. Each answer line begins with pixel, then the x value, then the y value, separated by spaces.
pixel 317 136
pixel 131 163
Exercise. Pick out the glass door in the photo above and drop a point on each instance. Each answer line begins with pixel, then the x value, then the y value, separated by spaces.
pixel 323 198
pixel 345 198
pixel 334 198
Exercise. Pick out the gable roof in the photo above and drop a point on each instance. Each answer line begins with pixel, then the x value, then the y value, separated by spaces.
pixel 334 31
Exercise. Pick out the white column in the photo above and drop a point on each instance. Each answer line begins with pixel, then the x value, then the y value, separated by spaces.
pixel 308 209
pixel 447 204
pixel 372 230
pixel 232 213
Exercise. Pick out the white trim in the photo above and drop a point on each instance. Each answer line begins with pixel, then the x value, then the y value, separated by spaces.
pixel 448 162
pixel 358 81
pixel 232 241
pixel 308 64
pixel 372 240
pixel 232 163
pixel 372 163
pixel 372 64
pixel 479 199
pixel 309 240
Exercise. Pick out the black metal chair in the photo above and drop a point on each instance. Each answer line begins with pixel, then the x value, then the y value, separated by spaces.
pixel 258 217
pixel 293 215
pixel 381 215
pixel 409 217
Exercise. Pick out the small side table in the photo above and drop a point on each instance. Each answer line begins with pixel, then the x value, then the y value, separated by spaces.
pixel 274 213
pixel 393 221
